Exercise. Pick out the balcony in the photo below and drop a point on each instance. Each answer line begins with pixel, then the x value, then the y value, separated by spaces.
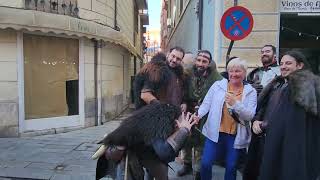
pixel 63 7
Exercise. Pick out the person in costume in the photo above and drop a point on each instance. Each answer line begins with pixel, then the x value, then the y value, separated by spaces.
pixel 162 79
pixel 289 115
pixel 152 137
pixel 200 76
pixel 260 77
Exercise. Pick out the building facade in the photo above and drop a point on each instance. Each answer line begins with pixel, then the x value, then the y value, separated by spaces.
pixel 67 64
pixel 287 24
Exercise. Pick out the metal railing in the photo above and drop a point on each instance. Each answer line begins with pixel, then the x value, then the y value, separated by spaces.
pixel 64 7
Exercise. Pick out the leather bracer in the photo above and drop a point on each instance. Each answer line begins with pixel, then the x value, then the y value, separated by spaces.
pixel 177 139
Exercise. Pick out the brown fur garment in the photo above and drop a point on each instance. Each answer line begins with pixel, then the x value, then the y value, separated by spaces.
pixel 145 125
pixel 152 75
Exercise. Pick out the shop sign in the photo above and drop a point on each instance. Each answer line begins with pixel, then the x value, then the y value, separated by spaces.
pixel 300 6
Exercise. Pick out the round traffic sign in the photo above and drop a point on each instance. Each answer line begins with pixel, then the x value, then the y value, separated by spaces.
pixel 236 23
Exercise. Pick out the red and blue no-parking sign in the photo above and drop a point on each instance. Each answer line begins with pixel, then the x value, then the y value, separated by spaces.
pixel 236 23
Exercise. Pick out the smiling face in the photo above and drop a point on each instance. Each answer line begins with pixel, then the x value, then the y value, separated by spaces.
pixel 236 74
pixel 202 61
pixel 267 56
pixel 288 65
pixel 175 58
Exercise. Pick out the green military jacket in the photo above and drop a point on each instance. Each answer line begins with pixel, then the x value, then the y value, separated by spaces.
pixel 198 86
pixel 196 89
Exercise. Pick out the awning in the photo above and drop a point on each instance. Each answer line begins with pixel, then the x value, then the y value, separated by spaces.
pixel 30 20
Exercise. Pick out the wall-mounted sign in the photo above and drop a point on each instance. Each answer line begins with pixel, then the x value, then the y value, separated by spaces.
pixel 300 6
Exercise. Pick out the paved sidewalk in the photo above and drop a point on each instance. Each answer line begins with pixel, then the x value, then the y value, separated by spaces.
pixel 65 156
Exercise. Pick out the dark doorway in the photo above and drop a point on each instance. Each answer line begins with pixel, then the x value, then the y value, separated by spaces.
pixel 301 33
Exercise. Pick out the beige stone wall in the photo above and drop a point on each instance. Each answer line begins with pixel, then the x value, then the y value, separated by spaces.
pixel 12 3
pixel 8 84
pixel 114 79
pixel 125 18
pixel 102 11
pixel 89 84
pixel 265 31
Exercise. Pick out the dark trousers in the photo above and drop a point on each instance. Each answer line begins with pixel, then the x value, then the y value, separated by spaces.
pixel 155 168
pixel 254 158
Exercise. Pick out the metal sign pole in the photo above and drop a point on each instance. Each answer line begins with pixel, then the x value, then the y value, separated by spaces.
pixel 235 3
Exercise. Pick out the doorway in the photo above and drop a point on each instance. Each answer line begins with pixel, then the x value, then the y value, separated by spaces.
pixel 301 33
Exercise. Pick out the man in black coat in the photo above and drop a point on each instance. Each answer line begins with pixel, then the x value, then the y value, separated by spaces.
pixel 289 118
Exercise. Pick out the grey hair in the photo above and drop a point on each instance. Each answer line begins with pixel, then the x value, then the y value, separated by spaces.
pixel 237 62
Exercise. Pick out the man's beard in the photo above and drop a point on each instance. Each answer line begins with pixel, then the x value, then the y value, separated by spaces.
pixel 200 71
pixel 266 60
pixel 178 70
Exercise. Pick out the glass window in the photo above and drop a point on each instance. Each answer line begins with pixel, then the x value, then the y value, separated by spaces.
pixel 51 74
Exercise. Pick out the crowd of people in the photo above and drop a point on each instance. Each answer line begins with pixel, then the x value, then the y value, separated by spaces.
pixel 269 120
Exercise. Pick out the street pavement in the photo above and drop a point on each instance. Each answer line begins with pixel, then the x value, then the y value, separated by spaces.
pixel 65 156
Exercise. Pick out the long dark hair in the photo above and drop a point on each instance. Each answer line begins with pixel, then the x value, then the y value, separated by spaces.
pixel 299 58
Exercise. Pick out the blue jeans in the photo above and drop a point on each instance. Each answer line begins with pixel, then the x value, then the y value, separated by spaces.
pixel 213 151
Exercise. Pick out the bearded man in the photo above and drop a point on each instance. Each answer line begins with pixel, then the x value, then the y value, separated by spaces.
pixel 201 76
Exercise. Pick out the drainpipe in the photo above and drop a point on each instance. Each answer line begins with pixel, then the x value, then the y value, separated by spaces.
pixel 115 16
pixel 95 79
pixel 97 82
pixel 134 65
pixel 200 24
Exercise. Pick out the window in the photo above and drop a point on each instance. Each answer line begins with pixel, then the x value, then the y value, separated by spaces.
pixel 51 74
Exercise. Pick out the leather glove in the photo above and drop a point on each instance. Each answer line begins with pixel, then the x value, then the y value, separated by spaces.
pixel 114 153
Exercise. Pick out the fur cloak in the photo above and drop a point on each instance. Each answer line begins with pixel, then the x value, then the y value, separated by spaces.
pixel 152 75
pixel 292 144
pixel 146 124
pixel 137 133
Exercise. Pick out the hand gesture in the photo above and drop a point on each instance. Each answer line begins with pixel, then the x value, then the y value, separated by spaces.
pixel 230 99
pixel 186 121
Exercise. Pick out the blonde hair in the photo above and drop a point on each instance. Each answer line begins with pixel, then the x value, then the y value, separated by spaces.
pixel 237 62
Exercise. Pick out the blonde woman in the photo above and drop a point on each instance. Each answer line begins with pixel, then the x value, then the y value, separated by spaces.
pixel 231 105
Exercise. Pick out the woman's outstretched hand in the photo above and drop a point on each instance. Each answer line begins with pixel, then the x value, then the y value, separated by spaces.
pixel 186 120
